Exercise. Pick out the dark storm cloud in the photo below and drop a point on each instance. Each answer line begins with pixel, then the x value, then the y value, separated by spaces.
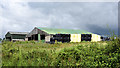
pixel 80 14
pixel 25 16
pixel 101 30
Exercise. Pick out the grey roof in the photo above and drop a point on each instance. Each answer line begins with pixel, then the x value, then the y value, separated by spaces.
pixel 28 35
pixel 18 32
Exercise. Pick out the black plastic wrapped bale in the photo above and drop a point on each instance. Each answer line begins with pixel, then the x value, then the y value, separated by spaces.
pixel 86 37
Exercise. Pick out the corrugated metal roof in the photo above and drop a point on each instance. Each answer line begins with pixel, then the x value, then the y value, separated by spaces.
pixel 63 31
pixel 18 32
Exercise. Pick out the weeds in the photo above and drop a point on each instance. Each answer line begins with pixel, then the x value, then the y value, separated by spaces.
pixel 84 54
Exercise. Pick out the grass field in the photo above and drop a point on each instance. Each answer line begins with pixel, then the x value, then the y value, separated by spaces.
pixel 84 54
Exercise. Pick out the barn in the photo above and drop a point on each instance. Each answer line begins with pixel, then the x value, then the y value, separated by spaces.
pixel 15 36
pixel 61 35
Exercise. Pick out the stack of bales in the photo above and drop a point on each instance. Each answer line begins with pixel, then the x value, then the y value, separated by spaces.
pixel 77 38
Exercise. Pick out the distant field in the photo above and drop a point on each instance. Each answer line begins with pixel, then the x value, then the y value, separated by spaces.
pixel 83 54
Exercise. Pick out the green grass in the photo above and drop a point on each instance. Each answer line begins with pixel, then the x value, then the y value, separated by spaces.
pixel 83 54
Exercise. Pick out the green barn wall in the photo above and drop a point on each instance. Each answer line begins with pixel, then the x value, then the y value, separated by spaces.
pixel 8 35
pixel 18 36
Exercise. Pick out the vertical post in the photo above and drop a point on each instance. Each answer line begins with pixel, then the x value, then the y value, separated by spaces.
pixel 34 37
pixel 11 38
pixel 38 37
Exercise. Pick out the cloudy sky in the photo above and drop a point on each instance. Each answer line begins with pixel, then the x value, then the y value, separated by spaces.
pixel 96 17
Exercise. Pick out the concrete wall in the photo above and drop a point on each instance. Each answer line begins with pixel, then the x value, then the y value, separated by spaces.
pixel 18 40
pixel 47 38
pixel 26 39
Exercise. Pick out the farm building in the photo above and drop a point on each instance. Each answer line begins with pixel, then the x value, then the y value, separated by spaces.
pixel 61 35
pixel 15 36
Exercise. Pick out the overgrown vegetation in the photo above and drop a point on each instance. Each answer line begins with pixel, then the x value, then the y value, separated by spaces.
pixel 84 54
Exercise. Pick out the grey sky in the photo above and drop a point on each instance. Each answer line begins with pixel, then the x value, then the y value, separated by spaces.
pixel 89 16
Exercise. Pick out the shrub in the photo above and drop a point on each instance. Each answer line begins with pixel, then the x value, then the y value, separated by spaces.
pixel 91 56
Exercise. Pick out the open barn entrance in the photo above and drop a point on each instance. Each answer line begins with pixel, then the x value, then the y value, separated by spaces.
pixel 42 37
pixel 8 38
pixel 29 38
pixel 34 37
pixel 86 37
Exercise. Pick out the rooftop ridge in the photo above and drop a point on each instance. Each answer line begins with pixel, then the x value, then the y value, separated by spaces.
pixel 13 32
pixel 58 30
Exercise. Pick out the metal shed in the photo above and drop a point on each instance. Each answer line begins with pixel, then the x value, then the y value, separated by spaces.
pixel 16 36
pixel 48 34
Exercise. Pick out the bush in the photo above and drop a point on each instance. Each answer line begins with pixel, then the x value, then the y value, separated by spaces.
pixel 91 56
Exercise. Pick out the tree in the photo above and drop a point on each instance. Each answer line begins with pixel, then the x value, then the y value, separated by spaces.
pixel 0 39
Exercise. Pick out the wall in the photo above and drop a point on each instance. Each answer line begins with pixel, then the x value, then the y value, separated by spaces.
pixel 96 38
pixel 47 38
pixel 75 37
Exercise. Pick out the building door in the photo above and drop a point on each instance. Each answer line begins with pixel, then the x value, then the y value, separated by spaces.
pixel 34 37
